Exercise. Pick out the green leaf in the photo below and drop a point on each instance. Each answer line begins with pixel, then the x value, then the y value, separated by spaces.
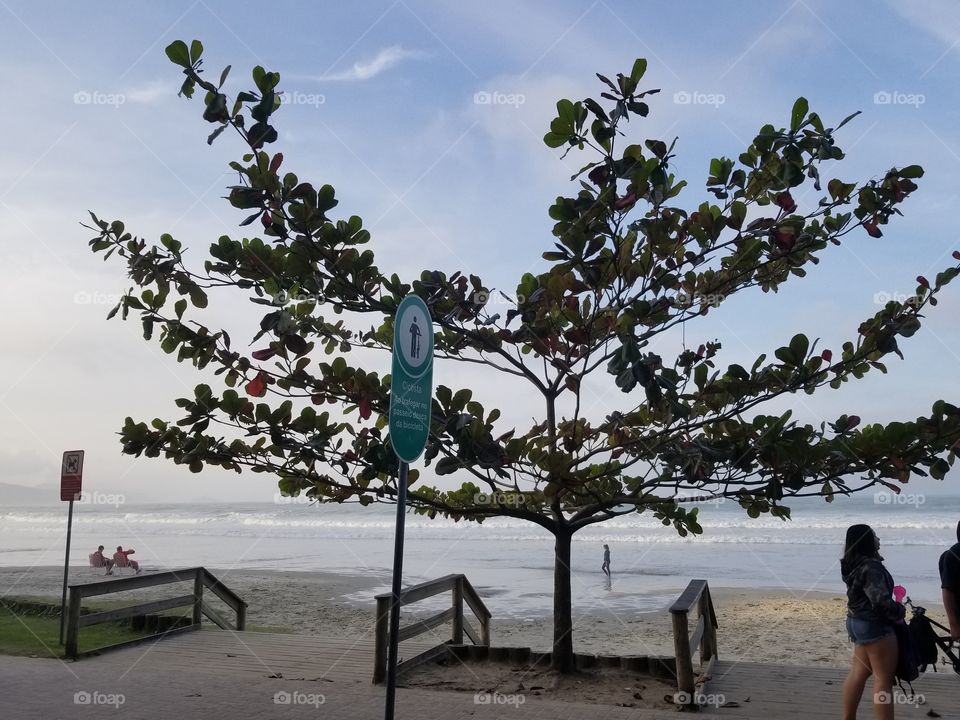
pixel 447 465
pixel 196 50
pixel 798 347
pixel 178 53
pixel 847 119
pixel 198 297
pixel 912 171
pixel 639 68
pixel 800 108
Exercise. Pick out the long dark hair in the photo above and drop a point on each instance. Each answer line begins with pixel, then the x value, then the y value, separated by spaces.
pixel 861 543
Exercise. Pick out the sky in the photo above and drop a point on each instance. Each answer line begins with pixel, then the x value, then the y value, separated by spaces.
pixel 427 117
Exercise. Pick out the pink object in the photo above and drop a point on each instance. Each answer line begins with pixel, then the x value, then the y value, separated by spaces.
pixel 899 593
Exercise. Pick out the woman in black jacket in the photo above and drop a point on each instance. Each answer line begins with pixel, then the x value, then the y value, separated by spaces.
pixel 871 614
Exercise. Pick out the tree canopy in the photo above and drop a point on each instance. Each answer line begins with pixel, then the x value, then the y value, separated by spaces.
pixel 628 264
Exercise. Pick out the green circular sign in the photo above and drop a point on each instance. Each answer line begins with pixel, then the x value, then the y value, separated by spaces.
pixel 411 379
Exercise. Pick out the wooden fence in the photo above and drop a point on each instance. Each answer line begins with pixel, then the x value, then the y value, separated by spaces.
pixel 200 577
pixel 462 593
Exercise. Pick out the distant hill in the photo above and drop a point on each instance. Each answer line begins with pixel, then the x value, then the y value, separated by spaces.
pixel 22 495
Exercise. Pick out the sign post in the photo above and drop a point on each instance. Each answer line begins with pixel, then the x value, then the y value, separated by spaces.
pixel 71 480
pixel 411 396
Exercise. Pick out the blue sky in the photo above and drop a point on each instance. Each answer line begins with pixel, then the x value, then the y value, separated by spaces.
pixel 387 104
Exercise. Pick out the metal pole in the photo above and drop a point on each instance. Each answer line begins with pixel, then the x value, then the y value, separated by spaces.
pixel 66 569
pixel 393 650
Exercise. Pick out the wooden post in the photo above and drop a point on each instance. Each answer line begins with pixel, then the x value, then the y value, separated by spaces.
pixel 703 610
pixel 485 630
pixel 242 616
pixel 458 611
pixel 381 632
pixel 73 623
pixel 198 598
pixel 681 644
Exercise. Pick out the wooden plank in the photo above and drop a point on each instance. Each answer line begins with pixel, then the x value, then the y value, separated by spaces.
pixel 427 589
pixel 697 635
pixel 688 599
pixel 223 592
pixel 138 641
pixel 142 609
pixel 135 582
pixel 474 601
pixel 472 634
pixel 423 626
pixel 421 659
pixel 215 616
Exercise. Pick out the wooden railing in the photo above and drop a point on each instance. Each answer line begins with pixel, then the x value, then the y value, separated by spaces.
pixel 703 637
pixel 463 592
pixel 200 577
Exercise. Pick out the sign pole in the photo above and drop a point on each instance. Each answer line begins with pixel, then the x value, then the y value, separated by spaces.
pixel 71 483
pixel 66 571
pixel 411 398
pixel 394 647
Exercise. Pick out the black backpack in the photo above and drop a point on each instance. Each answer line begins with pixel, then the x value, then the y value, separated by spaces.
pixel 907 664
pixel 924 642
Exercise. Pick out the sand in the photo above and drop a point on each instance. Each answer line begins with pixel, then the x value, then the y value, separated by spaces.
pixel 756 625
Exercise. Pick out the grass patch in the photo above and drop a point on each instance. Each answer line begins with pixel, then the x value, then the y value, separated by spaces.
pixel 38 635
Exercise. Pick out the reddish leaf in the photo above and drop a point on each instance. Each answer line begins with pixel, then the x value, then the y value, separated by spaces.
pixel 626 201
pixel 872 230
pixel 891 486
pixel 921 280
pixel 275 163
pixel 827 355
pixel 853 421
pixel 264 354
pixel 258 386
pixel 956 254
pixel 785 201
pixel 364 406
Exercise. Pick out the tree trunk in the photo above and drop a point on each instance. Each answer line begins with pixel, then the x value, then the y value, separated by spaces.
pixel 563 659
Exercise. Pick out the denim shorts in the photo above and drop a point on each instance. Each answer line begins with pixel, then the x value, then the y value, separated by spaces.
pixel 864 632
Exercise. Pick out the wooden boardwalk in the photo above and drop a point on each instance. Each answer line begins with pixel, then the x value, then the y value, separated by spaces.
pixel 305 657
pixel 798 692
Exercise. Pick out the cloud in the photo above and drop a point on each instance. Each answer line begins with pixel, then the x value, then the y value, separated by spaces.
pixel 387 58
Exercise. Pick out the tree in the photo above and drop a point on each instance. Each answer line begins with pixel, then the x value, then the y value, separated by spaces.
pixel 628 266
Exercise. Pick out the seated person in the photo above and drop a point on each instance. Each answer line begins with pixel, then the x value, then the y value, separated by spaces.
pixel 98 560
pixel 121 558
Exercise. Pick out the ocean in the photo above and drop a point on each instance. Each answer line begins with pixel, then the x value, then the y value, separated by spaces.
pixel 509 561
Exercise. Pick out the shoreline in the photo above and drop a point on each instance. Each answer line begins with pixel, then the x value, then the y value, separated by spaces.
pixel 759 625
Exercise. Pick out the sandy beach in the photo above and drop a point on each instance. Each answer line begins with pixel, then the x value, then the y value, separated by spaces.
pixel 756 625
